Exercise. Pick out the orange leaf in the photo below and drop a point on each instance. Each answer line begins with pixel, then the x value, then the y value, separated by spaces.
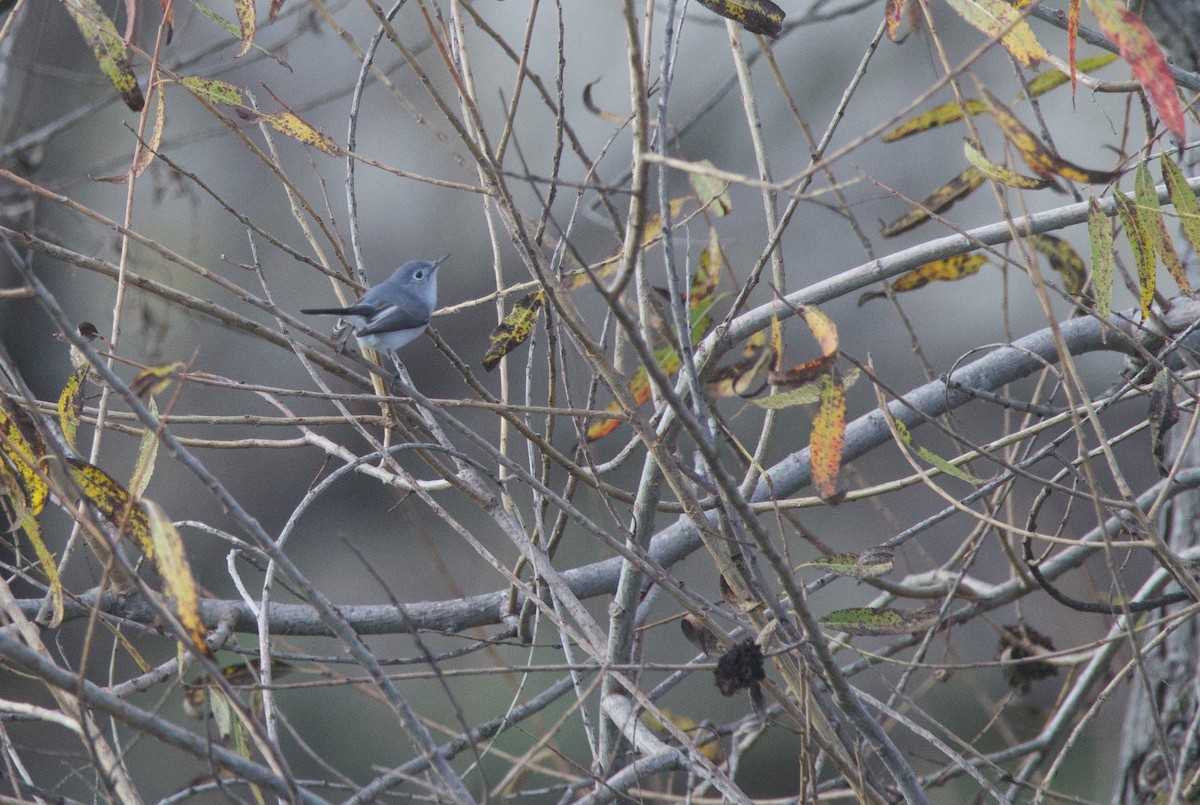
pixel 1126 30
pixel 828 433
pixel 901 17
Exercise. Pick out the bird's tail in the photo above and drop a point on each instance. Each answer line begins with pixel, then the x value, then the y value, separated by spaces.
pixel 329 311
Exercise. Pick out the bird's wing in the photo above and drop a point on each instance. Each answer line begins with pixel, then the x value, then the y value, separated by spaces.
pixel 390 319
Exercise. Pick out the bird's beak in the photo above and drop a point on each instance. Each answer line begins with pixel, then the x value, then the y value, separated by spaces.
pixel 440 260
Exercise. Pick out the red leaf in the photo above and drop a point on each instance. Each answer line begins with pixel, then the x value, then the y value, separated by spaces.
pixel 1127 31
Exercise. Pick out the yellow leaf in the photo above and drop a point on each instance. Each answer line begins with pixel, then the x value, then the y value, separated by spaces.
pixel 1044 82
pixel 178 583
pixel 938 116
pixel 114 503
pixel 143 469
pixel 22 449
pixel 213 90
pixel 1064 260
pixel 1037 156
pixel 825 441
pixel 938 201
pixel 290 124
pixel 999 20
pixel 155 379
pixel 944 270
pixel 70 404
pixel 1001 174
pixel 739 378
pixel 1151 216
pixel 515 329
pixel 49 567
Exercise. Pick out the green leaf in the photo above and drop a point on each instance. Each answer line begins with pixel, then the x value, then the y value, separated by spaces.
pixel 1103 262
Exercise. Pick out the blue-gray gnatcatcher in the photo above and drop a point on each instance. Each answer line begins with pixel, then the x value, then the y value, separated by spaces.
pixel 394 312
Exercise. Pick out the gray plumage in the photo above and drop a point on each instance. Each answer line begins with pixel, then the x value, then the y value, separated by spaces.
pixel 394 312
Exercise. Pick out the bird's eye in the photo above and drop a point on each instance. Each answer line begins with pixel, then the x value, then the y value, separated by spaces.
pixel 420 275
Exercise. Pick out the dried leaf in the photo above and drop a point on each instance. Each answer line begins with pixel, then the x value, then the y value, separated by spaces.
pixel 1163 415
pixel 740 667
pixel 741 378
pixel 937 202
pixel 1126 30
pixel 590 105
pixel 109 48
pixel 944 270
pixel 1020 645
pixel 147 152
pixel 515 329
pixel 1001 174
pixel 698 634
pixel 1037 156
pixel 1151 216
pixel 756 16
pixel 999 20
pixel 1143 250
pixel 881 621
pixel 179 584
pixel 901 18
pixel 825 441
pixel 1103 262
pixel 246 23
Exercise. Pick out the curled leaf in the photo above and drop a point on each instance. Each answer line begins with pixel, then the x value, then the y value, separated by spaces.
pixel 1000 173
pixel 109 48
pixel 1037 156
pixel 515 329
pixel 1064 260
pixel 865 565
pixel 70 404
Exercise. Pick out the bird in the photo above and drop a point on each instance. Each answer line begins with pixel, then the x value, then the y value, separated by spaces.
pixel 394 312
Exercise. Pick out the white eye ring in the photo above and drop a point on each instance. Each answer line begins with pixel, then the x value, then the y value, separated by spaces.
pixel 420 275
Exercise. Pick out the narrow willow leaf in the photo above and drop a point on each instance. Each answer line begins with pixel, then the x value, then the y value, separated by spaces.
pixel 1163 415
pixel 155 380
pixel 179 584
pixel 865 565
pixel 937 202
pixel 941 115
pixel 1143 249
pixel 1064 260
pixel 930 457
pixel 1037 156
pixel 807 394
pixel 741 378
pixel 1126 30
pixel 1150 215
pixel 213 90
pixel 293 126
pixel 109 48
pixel 515 329
pixel 1001 174
pixel 34 532
pixel 22 449
pixel 114 503
pixel 1183 199
pixel 1044 82
pixel 247 23
pixel 1103 262
pixel 881 621
pixel 143 470
pixel 756 16
pixel 825 441
pixel 945 270
pixel 70 404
